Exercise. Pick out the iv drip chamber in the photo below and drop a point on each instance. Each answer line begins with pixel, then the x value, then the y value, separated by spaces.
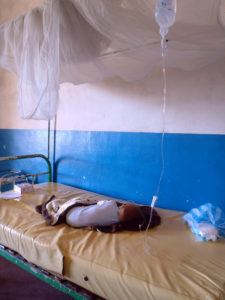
pixel 165 13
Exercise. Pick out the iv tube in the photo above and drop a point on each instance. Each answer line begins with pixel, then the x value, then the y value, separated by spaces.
pixel 163 54
pixel 165 13
pixel 165 17
pixel 155 197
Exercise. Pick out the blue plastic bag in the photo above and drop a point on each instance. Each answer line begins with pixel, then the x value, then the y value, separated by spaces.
pixel 207 222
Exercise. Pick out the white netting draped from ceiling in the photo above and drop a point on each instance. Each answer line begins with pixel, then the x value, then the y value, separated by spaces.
pixel 82 41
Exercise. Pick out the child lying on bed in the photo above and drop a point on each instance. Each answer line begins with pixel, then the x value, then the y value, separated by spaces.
pixel 104 215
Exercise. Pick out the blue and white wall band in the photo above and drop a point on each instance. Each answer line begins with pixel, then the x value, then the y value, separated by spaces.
pixel 108 135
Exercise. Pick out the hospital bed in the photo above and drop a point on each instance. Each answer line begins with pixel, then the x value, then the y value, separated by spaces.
pixel 165 263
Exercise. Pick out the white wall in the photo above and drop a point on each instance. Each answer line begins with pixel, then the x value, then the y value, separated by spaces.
pixel 195 102
pixel 10 9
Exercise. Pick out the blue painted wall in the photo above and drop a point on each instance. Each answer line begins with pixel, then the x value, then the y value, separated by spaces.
pixel 127 165
pixel 20 142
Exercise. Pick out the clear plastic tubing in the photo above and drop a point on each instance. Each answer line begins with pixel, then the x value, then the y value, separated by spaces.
pixel 165 14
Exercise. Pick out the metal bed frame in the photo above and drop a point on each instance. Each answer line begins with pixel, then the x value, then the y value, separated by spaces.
pixel 64 286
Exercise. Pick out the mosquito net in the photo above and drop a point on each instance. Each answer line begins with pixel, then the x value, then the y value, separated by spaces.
pixel 82 41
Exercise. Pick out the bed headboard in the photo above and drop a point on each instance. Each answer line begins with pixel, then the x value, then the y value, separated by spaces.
pixel 15 176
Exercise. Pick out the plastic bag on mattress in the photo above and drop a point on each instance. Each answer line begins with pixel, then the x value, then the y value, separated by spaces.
pixel 207 222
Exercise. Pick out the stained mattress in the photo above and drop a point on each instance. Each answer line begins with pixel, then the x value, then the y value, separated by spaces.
pixel 167 262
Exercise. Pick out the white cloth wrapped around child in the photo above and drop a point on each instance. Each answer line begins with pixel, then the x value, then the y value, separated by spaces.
pixel 104 213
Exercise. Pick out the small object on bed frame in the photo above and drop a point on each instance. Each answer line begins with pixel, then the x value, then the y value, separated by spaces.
pixel 23 188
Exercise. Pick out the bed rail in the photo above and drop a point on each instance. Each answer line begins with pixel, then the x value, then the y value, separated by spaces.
pixel 12 178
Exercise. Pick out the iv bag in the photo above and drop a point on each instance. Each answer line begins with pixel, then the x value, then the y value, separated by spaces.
pixel 165 13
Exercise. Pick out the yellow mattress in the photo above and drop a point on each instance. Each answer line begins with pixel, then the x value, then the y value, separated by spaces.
pixel 166 263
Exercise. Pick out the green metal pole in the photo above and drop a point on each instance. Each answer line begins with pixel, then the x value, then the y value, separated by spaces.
pixel 49 131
